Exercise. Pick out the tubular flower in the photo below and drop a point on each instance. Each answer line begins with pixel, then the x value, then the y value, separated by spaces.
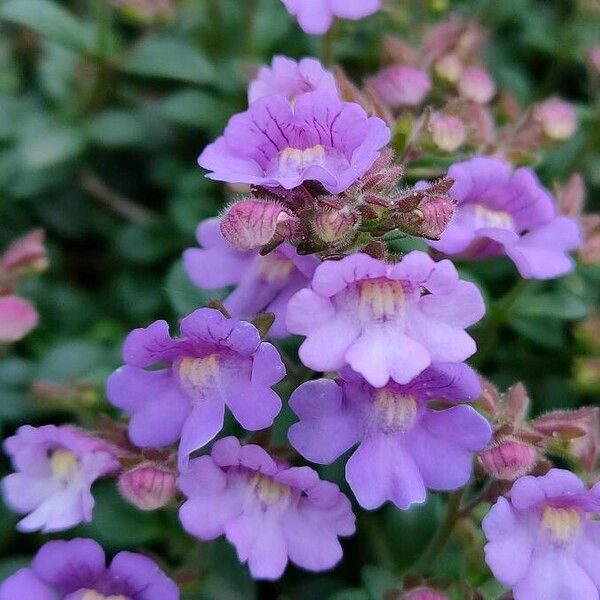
pixel 76 570
pixel 544 540
pixel 315 16
pixel 499 212
pixel 263 283
pixel 268 511
pixel 319 138
pixel 405 446
pixel 55 469
pixel 290 79
pixel 385 321
pixel 216 362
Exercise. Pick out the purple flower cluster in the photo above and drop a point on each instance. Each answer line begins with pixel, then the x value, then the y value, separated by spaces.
pixel 269 511
pixel 544 540
pixel 55 469
pixel 216 362
pixel 76 570
pixel 316 16
pixel 501 212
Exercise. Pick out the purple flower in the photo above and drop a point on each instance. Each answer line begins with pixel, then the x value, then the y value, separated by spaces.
pixel 404 446
pixel 385 321
pixel 269 511
pixel 290 79
pixel 500 212
pixel 544 540
pixel 263 283
pixel 76 570
pixel 274 143
pixel 55 469
pixel 315 16
pixel 216 362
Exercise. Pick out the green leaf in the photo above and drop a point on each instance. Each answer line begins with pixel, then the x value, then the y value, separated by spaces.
pixel 560 304
pixel 378 581
pixel 117 128
pixel 170 58
pixel 543 331
pixel 48 19
pixel 350 594
pixel 193 108
pixel 45 145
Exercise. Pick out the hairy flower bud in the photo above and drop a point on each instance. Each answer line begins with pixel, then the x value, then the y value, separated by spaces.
pixel 578 429
pixel 147 486
pixel 401 85
pixel 429 219
pixel 509 459
pixel 447 131
pixel 17 318
pixel 557 118
pixel 26 255
pixel 449 67
pixel 476 84
pixel 252 223
pixel 332 225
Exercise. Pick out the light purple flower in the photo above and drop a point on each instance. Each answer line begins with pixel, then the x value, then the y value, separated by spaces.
pixel 263 283
pixel 501 212
pixel 290 79
pixel 76 570
pixel 544 540
pixel 216 362
pixel 315 16
pixel 385 321
pixel 269 511
pixel 319 138
pixel 55 469
pixel 404 447
pixel 401 85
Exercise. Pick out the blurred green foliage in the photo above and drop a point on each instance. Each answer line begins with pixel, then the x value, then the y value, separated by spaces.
pixel 100 125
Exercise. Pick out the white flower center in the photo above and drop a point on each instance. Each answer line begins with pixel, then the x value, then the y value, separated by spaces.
pixel 269 491
pixel 563 523
pixel 394 412
pixel 381 299
pixel 195 374
pixel 486 217
pixel 64 465
pixel 296 159
pixel 275 267
pixel 94 595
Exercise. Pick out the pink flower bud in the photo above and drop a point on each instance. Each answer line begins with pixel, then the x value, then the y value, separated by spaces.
pixel 447 131
pixel 570 197
pixel 594 58
pixel 26 254
pixel 449 67
pixel 509 459
pixel 250 224
pixel 332 225
pixel 579 428
pixel 401 85
pixel 425 593
pixel 476 84
pixel 437 213
pixel 17 318
pixel 148 487
pixel 557 118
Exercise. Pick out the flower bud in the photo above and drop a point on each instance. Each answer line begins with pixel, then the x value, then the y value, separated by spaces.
pixel 571 196
pixel 577 428
pixel 401 85
pixel 249 224
pixel 509 459
pixel 557 118
pixel 26 255
pixel 476 84
pixel 148 486
pixel 17 318
pixel 332 225
pixel 449 67
pixel 447 131
pixel 424 593
pixel 430 219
